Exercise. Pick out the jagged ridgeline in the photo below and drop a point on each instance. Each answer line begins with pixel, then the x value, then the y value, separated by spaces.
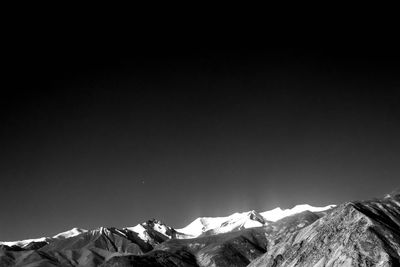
pixel 359 233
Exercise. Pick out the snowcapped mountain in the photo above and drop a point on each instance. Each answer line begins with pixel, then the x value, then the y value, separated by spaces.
pixel 69 233
pixel 359 233
pixel 153 231
pixel 218 225
pixel 149 231
pixel 244 220
pixel 63 235
pixel 277 213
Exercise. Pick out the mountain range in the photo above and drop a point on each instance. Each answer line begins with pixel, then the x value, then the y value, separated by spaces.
pixel 357 233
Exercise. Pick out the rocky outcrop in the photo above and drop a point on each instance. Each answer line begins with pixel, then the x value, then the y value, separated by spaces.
pixel 354 234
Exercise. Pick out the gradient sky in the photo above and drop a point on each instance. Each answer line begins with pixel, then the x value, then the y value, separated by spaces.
pixel 111 136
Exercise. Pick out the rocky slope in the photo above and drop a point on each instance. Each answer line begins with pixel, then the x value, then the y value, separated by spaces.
pixel 360 233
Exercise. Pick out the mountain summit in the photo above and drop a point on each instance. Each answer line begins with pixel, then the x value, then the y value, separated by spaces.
pixel 243 220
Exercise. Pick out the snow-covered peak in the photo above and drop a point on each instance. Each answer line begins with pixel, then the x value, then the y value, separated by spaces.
pixel 159 227
pixel 237 221
pixel 140 230
pixel 146 230
pixel 70 233
pixel 66 234
pixel 218 225
pixel 23 243
pixel 277 213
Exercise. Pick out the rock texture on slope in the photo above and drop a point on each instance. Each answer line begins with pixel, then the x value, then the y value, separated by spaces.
pixel 358 233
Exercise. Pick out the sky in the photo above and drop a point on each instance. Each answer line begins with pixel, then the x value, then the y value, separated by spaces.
pixel 116 134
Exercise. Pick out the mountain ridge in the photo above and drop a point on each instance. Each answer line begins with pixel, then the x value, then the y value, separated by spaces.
pixel 262 218
pixel 356 233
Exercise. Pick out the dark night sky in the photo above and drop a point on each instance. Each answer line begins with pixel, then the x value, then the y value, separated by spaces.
pixel 115 134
